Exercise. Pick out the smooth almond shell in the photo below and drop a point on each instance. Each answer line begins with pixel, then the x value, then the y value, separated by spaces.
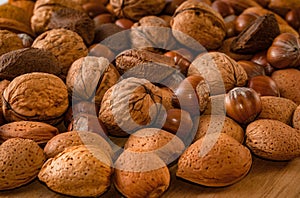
pixel 272 139
pixel 215 160
pixel 277 108
pixel 39 132
pixel 20 162
pixel 219 124
pixel 75 138
pixel 81 171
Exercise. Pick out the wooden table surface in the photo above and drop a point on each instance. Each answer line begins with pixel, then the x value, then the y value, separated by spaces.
pixel 266 179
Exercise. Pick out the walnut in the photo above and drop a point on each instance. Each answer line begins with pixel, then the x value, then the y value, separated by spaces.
pixel 129 105
pixel 27 60
pixel 90 77
pixel 221 72
pixel 9 41
pixel 148 65
pixel 152 32
pixel 197 23
pixel 66 45
pixel 35 97
pixel 136 9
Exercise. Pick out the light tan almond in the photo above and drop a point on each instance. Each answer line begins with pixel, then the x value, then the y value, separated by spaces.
pixel 296 118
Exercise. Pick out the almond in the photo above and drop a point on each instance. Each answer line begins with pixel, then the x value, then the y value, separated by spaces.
pixel 39 132
pixel 20 162
pixel 219 124
pixel 277 108
pixel 296 118
pixel 74 138
pixel 272 139
pixel 215 160
pixel 139 174
pixel 166 145
pixel 82 171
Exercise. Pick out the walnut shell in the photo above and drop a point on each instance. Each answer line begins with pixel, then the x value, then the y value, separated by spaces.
pixel 221 72
pixel 296 118
pixel 3 85
pixel 277 108
pixel 136 9
pixel 24 100
pixel 27 60
pixel 139 174
pixel 9 42
pixel 272 139
pixel 152 32
pixel 219 124
pixel 129 105
pixel 81 171
pixel 20 162
pixel 196 22
pixel 39 132
pixel 75 138
pixel 288 82
pixel 66 45
pixel 90 77
pixel 166 145
pixel 215 160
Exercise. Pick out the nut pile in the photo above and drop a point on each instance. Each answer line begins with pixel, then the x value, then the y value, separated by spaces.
pixel 203 85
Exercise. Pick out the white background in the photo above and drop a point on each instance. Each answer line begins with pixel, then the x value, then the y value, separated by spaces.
pixel 3 1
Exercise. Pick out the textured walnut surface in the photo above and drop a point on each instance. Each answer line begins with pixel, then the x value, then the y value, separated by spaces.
pixel 9 41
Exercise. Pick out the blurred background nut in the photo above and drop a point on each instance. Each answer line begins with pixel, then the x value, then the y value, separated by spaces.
pixel 223 8
pixel 240 5
pixel 9 42
pixel 24 100
pixel 100 50
pixel 15 19
pixel 293 18
pixel 21 160
pixel 199 21
pixel 90 77
pixel 66 45
pixel 129 105
pixel 152 33
pixel 27 60
pixel 124 23
pixel 253 69
pixel 282 7
pixel 136 9
pixel 264 86
pixel 220 71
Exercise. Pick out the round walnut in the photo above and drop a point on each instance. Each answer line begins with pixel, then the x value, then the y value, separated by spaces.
pixel 66 45
pixel 9 42
pixel 90 77
pixel 136 9
pixel 199 21
pixel 221 72
pixel 130 105
pixel 152 32
pixel 24 100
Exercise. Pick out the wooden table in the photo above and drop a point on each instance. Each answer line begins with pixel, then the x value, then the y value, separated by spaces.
pixel 266 179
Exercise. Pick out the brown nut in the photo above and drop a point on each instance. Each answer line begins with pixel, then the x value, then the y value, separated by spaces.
pixel 284 51
pixel 153 140
pixel 293 18
pixel 21 160
pixel 219 124
pixel 136 9
pixel 90 77
pixel 191 22
pixel 66 45
pixel 288 82
pixel 27 60
pixel 124 23
pixel 240 5
pixel 39 132
pixel 244 20
pixel 242 104
pixel 139 174
pixel 223 8
pixel 182 63
pixel 215 105
pixel 92 168
pixel 214 160
pixel 100 50
pixel 230 26
pixel 26 40
pixel 264 86
pixel 10 42
pixel 94 9
pixel 3 85
pixel 220 71
pixel 253 69
pixel 102 19
pixel 272 139
pixel 66 140
pixel 282 7
pixel 261 59
pixel 277 108
pixel 296 118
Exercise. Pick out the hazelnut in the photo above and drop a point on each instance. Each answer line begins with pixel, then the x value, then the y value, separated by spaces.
pixel 230 25
pixel 124 23
pixel 252 69
pixel 293 18
pixel 94 9
pixel 223 8
pixel 100 50
pixel 180 61
pixel 264 86
pixel 261 59
pixel 102 19
pixel 244 20
pixel 242 104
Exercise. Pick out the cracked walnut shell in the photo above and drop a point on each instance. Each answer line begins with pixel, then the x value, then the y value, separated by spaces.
pixel 35 97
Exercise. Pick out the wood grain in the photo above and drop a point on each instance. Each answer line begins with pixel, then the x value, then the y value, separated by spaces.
pixel 265 179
